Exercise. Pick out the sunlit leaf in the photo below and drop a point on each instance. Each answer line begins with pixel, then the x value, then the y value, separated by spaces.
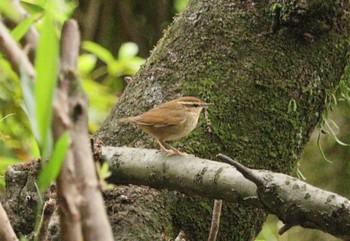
pixel 101 53
pixel 115 68
pixel 34 8
pixel 5 162
pixel 9 10
pixel 21 29
pixel 127 51
pixel 34 149
pixel 86 63
pixel 125 67
pixel 50 170
pixel 6 116
pixel 46 63
pixel 103 173
pixel 180 5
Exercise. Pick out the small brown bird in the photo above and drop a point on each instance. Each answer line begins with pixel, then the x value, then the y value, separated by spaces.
pixel 170 121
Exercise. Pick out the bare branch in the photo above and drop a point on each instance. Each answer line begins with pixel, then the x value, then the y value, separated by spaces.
pixel 81 200
pixel 48 210
pixel 69 198
pixel 15 54
pixel 293 201
pixel 298 203
pixel 215 221
pixel 6 231
pixel 190 175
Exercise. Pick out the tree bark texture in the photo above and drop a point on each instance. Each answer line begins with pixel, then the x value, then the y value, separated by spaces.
pixel 252 60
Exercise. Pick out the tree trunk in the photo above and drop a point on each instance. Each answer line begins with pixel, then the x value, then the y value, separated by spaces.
pixel 254 61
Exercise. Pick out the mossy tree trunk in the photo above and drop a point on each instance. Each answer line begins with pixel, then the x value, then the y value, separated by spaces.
pixel 254 60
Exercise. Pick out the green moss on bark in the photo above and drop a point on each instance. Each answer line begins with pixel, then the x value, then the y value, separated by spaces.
pixel 232 54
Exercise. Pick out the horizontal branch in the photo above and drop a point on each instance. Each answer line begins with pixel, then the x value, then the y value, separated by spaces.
pixel 292 200
pixel 190 175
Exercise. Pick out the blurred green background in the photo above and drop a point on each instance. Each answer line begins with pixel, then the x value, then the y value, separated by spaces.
pixel 117 37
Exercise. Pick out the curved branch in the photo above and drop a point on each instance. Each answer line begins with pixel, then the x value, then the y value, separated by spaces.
pixel 293 201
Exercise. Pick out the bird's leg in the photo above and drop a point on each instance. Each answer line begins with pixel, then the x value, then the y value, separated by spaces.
pixel 176 151
pixel 163 149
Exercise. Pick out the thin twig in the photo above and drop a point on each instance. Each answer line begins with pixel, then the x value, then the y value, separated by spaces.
pixel 48 210
pixel 246 172
pixel 215 221
pixel 18 59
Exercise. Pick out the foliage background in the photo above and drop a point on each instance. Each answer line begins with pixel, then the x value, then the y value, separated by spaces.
pixel 115 45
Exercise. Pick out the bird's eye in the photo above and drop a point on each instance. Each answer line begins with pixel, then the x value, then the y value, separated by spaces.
pixel 195 105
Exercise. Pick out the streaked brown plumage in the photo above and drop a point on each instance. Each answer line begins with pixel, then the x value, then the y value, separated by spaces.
pixel 170 121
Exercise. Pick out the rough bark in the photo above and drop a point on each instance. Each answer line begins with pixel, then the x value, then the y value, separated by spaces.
pixel 293 201
pixel 251 60
pixel 82 211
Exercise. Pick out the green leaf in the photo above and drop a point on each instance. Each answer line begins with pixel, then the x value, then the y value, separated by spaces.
pixel 127 51
pixel 335 136
pixel 292 105
pixel 29 103
pixel 46 63
pixel 50 171
pixel 180 5
pixel 321 149
pixel 34 149
pixel 101 53
pixel 103 173
pixel 6 116
pixel 21 29
pixel 5 162
pixel 33 8
pixel 86 63
pixel 9 10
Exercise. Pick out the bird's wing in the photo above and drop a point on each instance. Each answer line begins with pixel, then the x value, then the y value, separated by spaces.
pixel 160 117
